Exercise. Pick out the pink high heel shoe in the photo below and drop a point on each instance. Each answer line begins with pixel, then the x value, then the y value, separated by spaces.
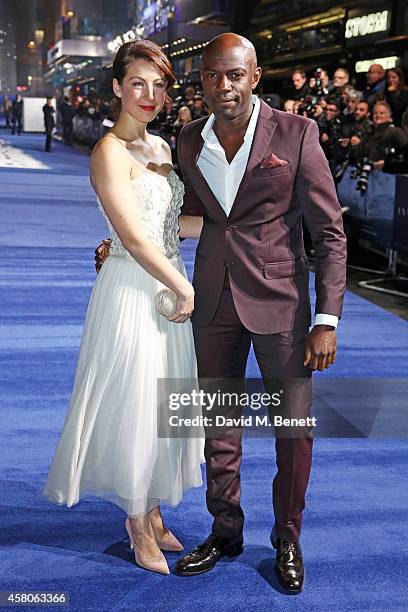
pixel 168 541
pixel 158 564
pixel 164 538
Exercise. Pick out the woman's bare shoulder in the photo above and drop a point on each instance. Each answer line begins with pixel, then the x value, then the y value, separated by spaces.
pixel 108 142
pixel 109 155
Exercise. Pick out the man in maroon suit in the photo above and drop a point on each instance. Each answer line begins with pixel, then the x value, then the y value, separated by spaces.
pixel 253 172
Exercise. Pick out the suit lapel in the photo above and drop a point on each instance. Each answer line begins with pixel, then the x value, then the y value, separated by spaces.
pixel 201 187
pixel 265 129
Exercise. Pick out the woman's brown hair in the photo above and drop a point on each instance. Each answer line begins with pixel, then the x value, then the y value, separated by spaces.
pixel 400 75
pixel 139 49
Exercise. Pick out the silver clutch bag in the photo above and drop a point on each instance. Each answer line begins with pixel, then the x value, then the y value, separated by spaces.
pixel 165 301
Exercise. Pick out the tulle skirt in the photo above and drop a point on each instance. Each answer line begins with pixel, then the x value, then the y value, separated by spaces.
pixel 109 446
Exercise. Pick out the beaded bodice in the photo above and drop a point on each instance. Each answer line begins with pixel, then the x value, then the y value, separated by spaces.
pixel 158 199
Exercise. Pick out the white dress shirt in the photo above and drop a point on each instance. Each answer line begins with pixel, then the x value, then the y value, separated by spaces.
pixel 224 178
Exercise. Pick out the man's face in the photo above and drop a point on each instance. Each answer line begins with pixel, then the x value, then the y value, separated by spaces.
pixel 381 114
pixel 325 78
pixel 351 105
pixel 298 80
pixel 331 112
pixel 189 93
pixel 339 78
pixel 361 111
pixel 228 76
pixel 375 74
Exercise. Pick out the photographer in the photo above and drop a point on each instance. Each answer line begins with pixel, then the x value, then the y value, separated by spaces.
pixel 383 141
pixel 397 163
pixel 331 134
pixel 353 133
pixel 396 94
pixel 375 84
pixel 300 86
pixel 361 126
pixel 353 97
pixel 198 111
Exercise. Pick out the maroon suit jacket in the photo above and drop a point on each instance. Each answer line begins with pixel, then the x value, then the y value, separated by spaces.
pixel 261 241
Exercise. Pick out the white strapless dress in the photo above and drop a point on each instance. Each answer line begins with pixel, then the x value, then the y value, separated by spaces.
pixel 109 445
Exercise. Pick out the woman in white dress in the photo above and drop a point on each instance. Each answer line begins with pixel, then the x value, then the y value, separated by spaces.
pixel 109 446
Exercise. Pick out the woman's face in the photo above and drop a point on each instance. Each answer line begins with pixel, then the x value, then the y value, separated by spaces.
pixel 393 79
pixel 289 106
pixel 142 91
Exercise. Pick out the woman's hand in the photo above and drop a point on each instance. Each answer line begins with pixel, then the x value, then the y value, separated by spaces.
pixel 184 306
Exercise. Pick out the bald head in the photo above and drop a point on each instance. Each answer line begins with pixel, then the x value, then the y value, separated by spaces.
pixel 375 73
pixel 229 74
pixel 224 43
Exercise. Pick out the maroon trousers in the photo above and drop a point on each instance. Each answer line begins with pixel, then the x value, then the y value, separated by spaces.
pixel 222 350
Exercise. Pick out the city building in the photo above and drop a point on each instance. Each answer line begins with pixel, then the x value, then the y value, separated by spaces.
pixel 8 53
pixel 83 30
pixel 351 34
pixel 182 28
pixel 35 21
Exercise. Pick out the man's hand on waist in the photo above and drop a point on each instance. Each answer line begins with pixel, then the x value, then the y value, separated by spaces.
pixel 101 254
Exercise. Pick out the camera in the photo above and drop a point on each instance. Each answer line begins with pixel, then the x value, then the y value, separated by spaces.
pixel 318 89
pixel 312 100
pixel 341 169
pixel 308 106
pixel 361 173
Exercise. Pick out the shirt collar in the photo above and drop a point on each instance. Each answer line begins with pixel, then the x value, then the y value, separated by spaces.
pixel 208 133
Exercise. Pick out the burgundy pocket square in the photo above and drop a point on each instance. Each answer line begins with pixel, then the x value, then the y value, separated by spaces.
pixel 273 162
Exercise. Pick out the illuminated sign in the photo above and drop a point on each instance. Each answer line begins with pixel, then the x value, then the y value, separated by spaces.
pixel 356 27
pixel 154 16
pixel 114 45
pixel 386 63
pixel 149 19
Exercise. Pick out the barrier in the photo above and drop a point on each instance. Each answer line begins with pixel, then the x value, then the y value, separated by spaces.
pixel 392 283
pixel 373 210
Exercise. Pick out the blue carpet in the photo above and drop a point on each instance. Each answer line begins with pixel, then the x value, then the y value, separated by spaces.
pixel 355 535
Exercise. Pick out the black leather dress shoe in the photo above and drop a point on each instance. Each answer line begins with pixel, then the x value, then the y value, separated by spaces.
pixel 205 556
pixel 289 565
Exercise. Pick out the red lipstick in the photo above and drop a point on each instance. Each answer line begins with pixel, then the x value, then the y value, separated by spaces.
pixel 148 109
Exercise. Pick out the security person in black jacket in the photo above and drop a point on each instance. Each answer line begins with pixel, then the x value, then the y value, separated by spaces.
pixel 49 123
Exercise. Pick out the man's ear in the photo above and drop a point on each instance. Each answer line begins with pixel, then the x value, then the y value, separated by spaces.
pixel 256 77
pixel 117 90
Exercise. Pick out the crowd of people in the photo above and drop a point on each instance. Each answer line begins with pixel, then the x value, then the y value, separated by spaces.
pixel 368 126
pixel 355 125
